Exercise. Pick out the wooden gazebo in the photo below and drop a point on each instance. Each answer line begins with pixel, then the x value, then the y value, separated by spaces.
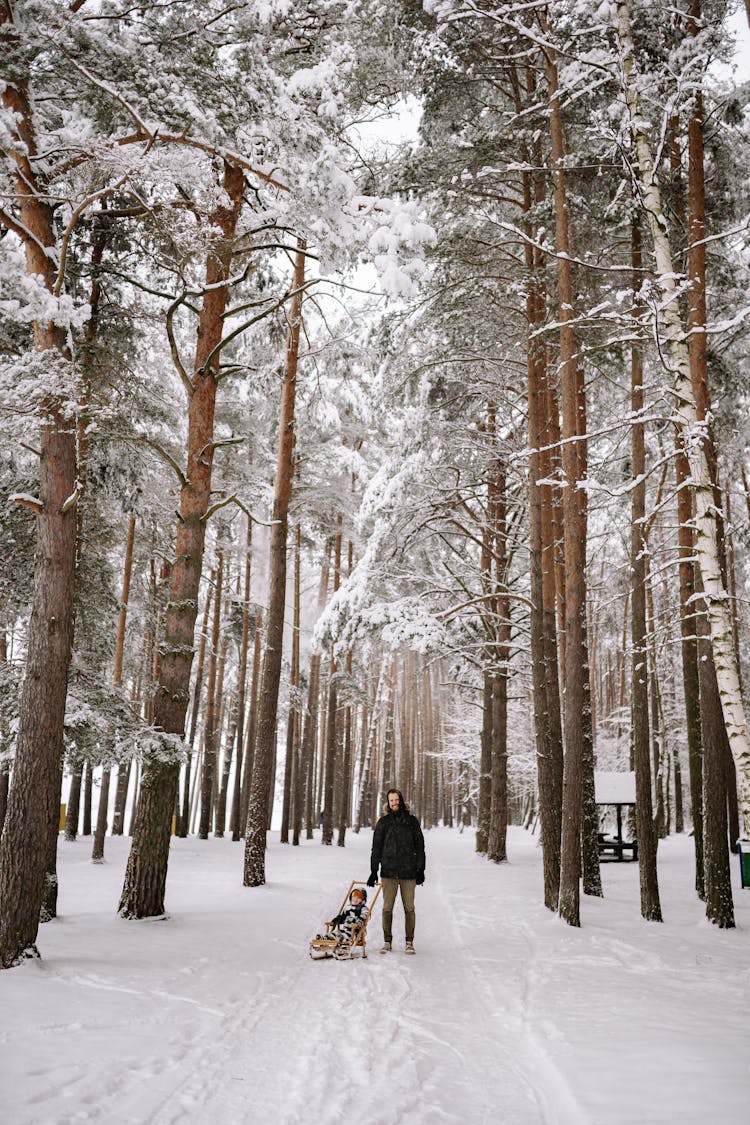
pixel 616 788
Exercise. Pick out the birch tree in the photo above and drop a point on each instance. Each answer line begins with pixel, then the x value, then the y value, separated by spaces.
pixel 692 431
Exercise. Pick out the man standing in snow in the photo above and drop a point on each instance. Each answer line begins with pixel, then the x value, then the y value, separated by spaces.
pixel 398 850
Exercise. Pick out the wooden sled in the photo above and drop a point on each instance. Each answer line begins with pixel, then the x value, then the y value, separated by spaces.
pixel 327 945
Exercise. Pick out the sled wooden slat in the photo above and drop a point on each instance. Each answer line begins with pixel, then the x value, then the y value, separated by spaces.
pixel 321 945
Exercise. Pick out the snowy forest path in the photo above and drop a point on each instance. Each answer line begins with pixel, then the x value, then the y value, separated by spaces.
pixel 218 1016
pixel 498 962
pixel 411 1035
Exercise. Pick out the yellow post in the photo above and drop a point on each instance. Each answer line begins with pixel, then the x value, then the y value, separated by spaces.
pixel 63 812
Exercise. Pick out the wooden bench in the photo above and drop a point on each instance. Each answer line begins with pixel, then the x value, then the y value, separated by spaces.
pixel 616 846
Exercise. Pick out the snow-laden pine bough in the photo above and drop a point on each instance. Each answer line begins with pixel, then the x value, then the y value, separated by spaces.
pixel 347 931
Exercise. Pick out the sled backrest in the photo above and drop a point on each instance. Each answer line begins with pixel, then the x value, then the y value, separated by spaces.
pixel 370 904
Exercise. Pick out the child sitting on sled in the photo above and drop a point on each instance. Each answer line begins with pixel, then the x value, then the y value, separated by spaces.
pixel 353 918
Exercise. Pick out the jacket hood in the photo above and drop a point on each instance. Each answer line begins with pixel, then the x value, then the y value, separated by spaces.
pixel 402 805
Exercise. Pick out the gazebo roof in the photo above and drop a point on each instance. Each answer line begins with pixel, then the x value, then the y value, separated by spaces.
pixel 614 787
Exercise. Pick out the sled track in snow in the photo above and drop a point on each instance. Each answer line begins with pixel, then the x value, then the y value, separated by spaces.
pixel 506 999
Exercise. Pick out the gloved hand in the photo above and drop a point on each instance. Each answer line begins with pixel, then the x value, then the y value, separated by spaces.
pixel 420 878
pixel 373 879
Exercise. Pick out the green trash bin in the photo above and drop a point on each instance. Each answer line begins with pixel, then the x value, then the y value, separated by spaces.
pixel 743 850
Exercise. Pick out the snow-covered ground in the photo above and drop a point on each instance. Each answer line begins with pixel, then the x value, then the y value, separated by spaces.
pixel 219 1017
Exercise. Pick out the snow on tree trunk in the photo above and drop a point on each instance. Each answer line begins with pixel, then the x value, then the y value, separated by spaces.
pixel 650 906
pixel 264 757
pixel 542 548
pixel 577 707
pixel 146 873
pixel 33 801
pixel 692 430
pixel 382 691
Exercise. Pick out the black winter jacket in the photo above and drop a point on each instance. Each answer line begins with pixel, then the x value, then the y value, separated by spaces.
pixel 397 847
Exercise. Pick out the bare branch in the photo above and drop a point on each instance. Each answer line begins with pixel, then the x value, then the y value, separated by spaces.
pixel 82 206
pixel 168 458
pixel 174 350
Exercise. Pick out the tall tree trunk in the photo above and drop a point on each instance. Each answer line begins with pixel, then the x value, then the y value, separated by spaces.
pixel 33 801
pixel 310 724
pixel 146 873
pixel 226 769
pixel 211 721
pixel 183 823
pixel 332 744
pixel 252 722
pixel 542 545
pixel 235 823
pixel 4 765
pixel 485 757
pixel 498 826
pixel 689 648
pixel 718 884
pixel 73 808
pixel 88 786
pixel 97 853
pixel 345 800
pixel 257 813
pixel 650 905
pixel 382 692
pixel 692 431
pixel 576 698
pixel 291 765
pixel 484 798
pixel 658 745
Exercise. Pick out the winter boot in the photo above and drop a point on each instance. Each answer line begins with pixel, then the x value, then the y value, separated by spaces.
pixel 410 947
pixel 386 947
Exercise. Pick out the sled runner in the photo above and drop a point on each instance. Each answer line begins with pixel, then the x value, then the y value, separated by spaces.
pixel 341 941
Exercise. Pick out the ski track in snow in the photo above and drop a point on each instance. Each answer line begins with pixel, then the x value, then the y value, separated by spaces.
pixel 511 1012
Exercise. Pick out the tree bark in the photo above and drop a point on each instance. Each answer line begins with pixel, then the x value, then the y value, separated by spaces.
pixel 692 431
pixel 4 765
pixel 252 719
pixel 542 548
pixel 382 693
pixel 498 825
pixel 257 813
pixel 332 745
pixel 310 725
pixel 234 819
pixel 183 823
pixel 33 801
pixel 146 873
pixel 576 697
pixel 211 721
pixel 718 884
pixel 73 809
pixel 291 764
pixel 489 626
pixel 650 905
pixel 97 853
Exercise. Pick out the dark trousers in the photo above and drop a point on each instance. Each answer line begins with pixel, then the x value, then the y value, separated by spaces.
pixel 407 888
